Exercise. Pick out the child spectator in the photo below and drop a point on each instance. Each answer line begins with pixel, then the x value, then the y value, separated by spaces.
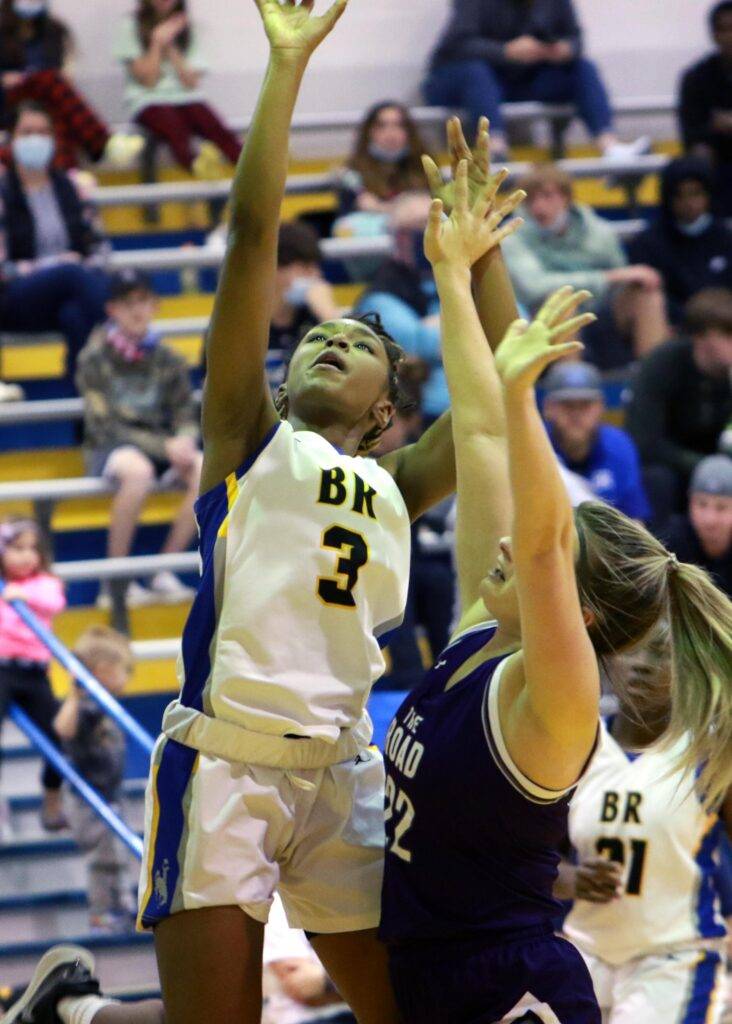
pixel 35 48
pixel 24 659
pixel 705 106
pixel 140 424
pixel 96 747
pixel 682 400
pixel 689 247
pixel 161 53
pixel 603 455
pixel 51 249
pixel 564 242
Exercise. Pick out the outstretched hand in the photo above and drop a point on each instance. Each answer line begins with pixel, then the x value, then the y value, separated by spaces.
pixel 293 29
pixel 479 164
pixel 528 348
pixel 473 228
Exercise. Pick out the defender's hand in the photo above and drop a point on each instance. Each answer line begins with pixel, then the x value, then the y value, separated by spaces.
pixel 293 29
pixel 529 348
pixel 479 164
pixel 472 228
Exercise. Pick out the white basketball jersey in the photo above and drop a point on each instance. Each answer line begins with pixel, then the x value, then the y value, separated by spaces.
pixel 629 809
pixel 305 563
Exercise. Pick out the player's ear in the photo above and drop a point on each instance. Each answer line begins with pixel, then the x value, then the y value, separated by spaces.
pixel 382 412
pixel 588 617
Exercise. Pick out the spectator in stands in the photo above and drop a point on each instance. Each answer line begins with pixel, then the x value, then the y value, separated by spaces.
pixel 97 749
pixel 303 298
pixel 160 49
pixel 705 106
pixel 383 176
pixel 35 50
pixel 688 246
pixel 51 248
pixel 403 294
pixel 703 535
pixel 25 564
pixel 296 988
pixel 496 51
pixel 563 242
pixel 140 424
pixel 600 453
pixel 682 400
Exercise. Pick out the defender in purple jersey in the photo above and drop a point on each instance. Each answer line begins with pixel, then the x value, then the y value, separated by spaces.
pixel 482 758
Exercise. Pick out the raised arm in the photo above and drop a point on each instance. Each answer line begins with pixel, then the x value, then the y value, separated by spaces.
pixel 237 408
pixel 550 724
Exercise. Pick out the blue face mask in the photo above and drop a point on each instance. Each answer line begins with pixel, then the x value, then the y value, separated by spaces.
pixel 388 156
pixel 29 8
pixel 33 152
pixel 297 293
pixel 557 227
pixel 697 227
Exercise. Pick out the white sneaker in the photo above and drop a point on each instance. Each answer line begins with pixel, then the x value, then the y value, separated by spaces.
pixel 168 589
pixel 137 596
pixel 621 151
pixel 122 149
pixel 11 392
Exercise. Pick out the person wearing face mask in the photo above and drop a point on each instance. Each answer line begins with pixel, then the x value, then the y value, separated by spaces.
pixel 35 48
pixel 567 242
pixel 303 298
pixel 51 251
pixel 689 247
pixel 383 176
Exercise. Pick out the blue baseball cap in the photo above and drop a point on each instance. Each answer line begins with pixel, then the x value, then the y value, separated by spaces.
pixel 573 382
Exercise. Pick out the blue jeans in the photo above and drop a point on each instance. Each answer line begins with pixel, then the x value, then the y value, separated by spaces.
pixel 68 298
pixel 480 89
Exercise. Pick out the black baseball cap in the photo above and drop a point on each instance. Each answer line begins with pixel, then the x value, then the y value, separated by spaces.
pixel 568 382
pixel 124 282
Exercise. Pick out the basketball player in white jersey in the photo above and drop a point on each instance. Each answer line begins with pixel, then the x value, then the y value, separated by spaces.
pixel 263 778
pixel 646 914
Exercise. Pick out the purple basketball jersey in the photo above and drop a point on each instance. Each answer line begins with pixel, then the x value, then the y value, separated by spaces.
pixel 472 845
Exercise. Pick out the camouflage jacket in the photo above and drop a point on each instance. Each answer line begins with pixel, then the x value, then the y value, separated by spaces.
pixel 142 403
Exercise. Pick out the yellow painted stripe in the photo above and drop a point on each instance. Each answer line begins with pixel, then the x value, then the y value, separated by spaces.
pixel 152 837
pixel 232 493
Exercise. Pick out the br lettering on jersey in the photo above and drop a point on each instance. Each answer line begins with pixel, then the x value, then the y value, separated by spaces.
pixel 340 488
pixel 613 809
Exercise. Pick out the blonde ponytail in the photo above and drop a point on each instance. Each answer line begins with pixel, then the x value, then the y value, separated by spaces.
pixel 700 619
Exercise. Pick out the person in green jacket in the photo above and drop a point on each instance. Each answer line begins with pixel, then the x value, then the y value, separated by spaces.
pixel 564 242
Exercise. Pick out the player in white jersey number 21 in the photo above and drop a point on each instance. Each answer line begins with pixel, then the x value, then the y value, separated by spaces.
pixel 647 912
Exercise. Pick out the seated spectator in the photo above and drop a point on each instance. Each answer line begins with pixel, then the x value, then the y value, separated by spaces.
pixel 403 293
pixel 97 749
pixel 497 51
pixel 384 175
pixel 161 53
pixel 52 250
pixel 295 986
pixel 35 48
pixel 688 246
pixel 563 242
pixel 705 106
pixel 140 424
pixel 703 534
pixel 600 453
pixel 682 400
pixel 302 299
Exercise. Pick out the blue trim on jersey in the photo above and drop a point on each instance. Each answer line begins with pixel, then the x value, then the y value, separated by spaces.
pixel 173 776
pixel 702 989
pixel 707 896
pixel 211 509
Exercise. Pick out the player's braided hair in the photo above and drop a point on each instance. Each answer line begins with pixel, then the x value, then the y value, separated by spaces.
pixel 395 354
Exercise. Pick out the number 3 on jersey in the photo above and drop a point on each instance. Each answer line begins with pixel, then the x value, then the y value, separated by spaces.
pixel 338 590
pixel 398 803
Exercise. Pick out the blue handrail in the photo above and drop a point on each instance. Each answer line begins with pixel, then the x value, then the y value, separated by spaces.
pixel 90 795
pixel 83 676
